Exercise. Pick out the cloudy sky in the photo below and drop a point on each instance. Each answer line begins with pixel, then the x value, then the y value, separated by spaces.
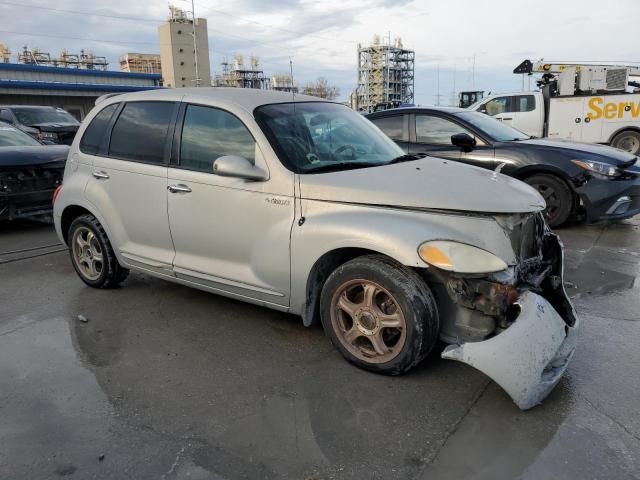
pixel 321 36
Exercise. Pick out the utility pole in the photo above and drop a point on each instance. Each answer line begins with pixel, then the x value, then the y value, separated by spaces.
pixel 195 42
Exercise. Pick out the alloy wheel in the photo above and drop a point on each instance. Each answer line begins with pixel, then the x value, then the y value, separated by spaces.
pixel 87 253
pixel 368 321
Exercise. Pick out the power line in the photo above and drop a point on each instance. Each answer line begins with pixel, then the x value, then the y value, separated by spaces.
pixel 155 21
pixel 147 20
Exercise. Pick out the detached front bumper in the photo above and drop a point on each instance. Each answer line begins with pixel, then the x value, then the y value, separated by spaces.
pixel 528 359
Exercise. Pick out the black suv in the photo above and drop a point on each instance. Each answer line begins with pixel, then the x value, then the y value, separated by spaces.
pixel 47 124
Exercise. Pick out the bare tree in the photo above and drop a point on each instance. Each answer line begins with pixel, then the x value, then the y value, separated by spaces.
pixel 321 88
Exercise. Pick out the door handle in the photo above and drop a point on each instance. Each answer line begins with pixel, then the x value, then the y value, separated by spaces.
pixel 507 118
pixel 100 175
pixel 179 188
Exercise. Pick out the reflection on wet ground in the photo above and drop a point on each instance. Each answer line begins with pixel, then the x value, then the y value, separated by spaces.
pixel 169 382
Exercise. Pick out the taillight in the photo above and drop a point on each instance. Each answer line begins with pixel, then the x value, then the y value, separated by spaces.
pixel 56 192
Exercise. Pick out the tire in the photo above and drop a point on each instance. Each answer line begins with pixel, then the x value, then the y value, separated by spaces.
pixel 391 333
pixel 558 196
pixel 629 141
pixel 92 255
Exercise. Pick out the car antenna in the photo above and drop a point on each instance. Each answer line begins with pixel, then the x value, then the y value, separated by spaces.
pixel 293 90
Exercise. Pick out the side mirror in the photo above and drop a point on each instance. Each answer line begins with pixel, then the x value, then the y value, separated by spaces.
pixel 482 109
pixel 238 167
pixel 464 141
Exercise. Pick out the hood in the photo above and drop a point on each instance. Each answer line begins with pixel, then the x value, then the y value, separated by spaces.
pixel 430 183
pixel 55 127
pixel 33 156
pixel 589 150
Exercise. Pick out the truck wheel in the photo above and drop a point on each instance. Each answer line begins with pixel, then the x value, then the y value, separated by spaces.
pixel 379 314
pixel 92 255
pixel 629 141
pixel 557 195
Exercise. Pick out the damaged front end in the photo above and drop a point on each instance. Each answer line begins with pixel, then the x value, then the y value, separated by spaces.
pixel 518 325
pixel 25 191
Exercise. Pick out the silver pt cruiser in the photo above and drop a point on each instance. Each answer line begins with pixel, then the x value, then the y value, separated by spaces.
pixel 304 206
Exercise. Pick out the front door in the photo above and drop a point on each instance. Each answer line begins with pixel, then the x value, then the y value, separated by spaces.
pixel 230 234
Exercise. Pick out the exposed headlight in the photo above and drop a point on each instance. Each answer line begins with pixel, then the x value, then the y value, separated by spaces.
pixel 599 168
pixel 459 257
pixel 47 136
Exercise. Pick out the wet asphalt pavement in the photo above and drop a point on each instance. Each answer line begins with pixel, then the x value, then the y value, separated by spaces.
pixel 166 382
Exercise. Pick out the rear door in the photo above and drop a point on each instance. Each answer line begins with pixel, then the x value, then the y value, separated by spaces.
pixel 527 115
pixel 128 185
pixel 396 127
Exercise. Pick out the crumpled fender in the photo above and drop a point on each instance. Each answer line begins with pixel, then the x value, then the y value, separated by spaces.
pixel 528 359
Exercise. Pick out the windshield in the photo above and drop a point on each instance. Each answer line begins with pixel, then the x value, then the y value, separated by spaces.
pixel 10 137
pixel 324 136
pixel 34 116
pixel 493 128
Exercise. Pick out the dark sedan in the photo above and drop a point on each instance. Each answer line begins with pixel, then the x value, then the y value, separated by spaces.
pixel 596 182
pixel 29 174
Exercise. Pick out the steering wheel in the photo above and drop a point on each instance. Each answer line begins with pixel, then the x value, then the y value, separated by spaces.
pixel 344 148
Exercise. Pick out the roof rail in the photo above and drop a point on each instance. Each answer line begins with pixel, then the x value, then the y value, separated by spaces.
pixel 102 98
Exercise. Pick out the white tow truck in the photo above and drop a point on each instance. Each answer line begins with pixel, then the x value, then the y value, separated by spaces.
pixel 580 102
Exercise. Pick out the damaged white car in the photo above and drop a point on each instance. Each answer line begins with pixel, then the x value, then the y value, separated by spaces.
pixel 304 206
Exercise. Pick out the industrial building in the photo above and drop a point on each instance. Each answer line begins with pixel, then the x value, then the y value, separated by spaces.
pixel 83 60
pixel 283 83
pixel 184 50
pixel 238 75
pixel 141 63
pixel 74 89
pixel 385 76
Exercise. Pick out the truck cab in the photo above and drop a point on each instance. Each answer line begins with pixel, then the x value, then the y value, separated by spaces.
pixel 522 110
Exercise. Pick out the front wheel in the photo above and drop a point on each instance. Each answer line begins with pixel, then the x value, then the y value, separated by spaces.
pixel 92 255
pixel 379 314
pixel 556 194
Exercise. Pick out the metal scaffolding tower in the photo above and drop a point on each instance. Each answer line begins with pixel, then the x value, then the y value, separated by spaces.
pixel 385 76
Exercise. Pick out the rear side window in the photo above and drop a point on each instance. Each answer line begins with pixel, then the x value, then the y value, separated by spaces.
pixel 394 127
pixel 209 133
pixel 141 130
pixel 94 134
pixel 526 103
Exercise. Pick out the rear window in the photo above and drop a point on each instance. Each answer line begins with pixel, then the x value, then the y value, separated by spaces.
pixel 526 103
pixel 35 116
pixel 94 134
pixel 140 132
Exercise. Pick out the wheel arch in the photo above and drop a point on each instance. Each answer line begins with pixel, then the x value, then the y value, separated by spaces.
pixel 73 211
pixel 528 171
pixel 320 271
pixel 626 128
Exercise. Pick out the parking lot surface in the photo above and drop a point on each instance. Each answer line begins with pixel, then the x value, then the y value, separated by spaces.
pixel 168 382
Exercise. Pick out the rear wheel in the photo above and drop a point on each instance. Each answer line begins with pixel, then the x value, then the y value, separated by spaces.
pixel 629 141
pixel 556 194
pixel 92 255
pixel 379 314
